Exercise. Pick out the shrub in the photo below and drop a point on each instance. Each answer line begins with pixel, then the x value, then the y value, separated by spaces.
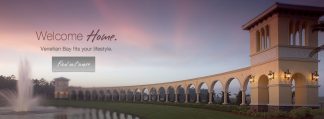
pixel 276 114
pixel 301 112
pixel 316 112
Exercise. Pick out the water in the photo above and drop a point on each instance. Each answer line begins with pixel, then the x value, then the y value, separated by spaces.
pixel 22 100
pixel 64 113
pixel 23 105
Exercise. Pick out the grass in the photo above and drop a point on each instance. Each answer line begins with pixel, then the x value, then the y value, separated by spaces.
pixel 152 111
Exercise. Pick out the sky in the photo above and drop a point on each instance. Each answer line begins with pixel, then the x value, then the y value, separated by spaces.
pixel 158 40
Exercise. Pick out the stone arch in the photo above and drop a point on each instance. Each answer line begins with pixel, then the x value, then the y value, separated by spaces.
pixel 87 95
pixel 80 95
pixel 153 94
pixel 263 90
pixel 203 91
pixel 109 95
pixel 300 91
pixel 122 95
pixel 95 95
pixel 115 95
pixel 171 94
pixel 232 95
pixel 145 94
pixel 130 95
pixel 228 82
pixel 191 92
pixel 138 94
pixel 162 94
pixel 101 96
pixel 181 94
pixel 217 88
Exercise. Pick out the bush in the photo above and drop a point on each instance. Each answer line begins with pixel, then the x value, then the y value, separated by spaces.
pixel 280 114
pixel 301 112
pixel 317 112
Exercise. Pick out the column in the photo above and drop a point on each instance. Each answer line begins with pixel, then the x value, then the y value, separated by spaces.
pixel 176 98
pixel 142 97
pixel 158 98
pixel 210 97
pixel 225 98
pixel 243 98
pixel 149 97
pixel 197 97
pixel 186 98
pixel 134 97
pixel 166 97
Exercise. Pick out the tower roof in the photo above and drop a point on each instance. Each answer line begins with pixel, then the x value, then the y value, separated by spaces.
pixel 61 79
pixel 279 7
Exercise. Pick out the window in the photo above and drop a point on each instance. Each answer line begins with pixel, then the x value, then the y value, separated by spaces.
pixel 258 40
pixel 297 34
pixel 263 39
pixel 303 36
pixel 267 37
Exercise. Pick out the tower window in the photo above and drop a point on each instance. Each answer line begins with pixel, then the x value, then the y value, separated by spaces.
pixel 297 34
pixel 263 39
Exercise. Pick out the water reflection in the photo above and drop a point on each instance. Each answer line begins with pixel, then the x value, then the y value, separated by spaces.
pixel 81 113
pixel 70 113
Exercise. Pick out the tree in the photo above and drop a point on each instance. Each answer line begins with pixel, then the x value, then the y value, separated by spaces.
pixel 239 98
pixel 316 28
pixel 8 82
pixel 43 88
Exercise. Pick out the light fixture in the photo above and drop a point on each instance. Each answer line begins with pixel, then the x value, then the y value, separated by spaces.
pixel 271 75
pixel 251 78
pixel 287 75
pixel 315 76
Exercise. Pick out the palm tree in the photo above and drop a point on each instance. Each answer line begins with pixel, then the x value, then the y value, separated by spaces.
pixel 316 28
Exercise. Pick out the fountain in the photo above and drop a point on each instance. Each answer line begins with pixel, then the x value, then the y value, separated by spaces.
pixel 23 105
pixel 22 100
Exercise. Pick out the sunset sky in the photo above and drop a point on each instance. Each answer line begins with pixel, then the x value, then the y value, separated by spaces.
pixel 158 40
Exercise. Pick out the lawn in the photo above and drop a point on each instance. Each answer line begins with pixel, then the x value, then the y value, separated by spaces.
pixel 152 111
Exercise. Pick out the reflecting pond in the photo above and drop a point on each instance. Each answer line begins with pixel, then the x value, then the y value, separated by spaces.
pixel 64 113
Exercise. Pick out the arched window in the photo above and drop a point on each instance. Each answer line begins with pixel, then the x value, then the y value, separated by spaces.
pixel 291 33
pixel 267 37
pixel 262 39
pixel 258 41
pixel 298 35
pixel 303 35
pixel 297 38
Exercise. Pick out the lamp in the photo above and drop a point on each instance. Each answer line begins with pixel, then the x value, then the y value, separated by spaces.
pixel 251 78
pixel 287 75
pixel 271 75
pixel 315 76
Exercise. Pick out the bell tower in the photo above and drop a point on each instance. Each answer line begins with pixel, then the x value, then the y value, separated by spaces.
pixel 281 39
pixel 61 88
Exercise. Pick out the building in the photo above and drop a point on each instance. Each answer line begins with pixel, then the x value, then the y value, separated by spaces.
pixel 281 39
pixel 61 88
